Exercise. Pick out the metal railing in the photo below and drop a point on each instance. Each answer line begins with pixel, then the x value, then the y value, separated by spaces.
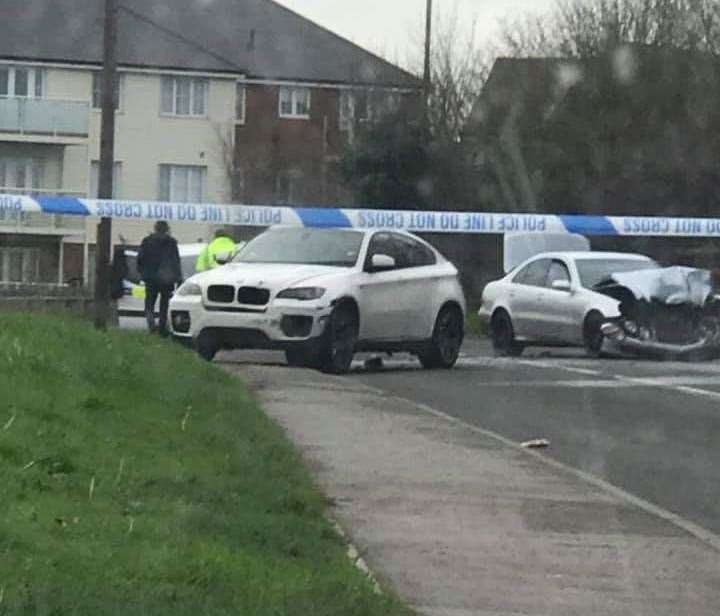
pixel 44 116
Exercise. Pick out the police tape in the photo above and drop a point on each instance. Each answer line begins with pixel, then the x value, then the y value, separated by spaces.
pixel 331 217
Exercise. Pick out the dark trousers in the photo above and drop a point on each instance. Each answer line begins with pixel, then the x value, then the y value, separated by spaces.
pixel 152 290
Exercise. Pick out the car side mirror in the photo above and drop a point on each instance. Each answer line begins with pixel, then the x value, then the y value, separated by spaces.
pixel 381 263
pixel 561 285
pixel 222 258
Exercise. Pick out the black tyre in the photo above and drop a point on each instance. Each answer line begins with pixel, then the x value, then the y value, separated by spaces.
pixel 503 336
pixel 448 334
pixel 593 337
pixel 207 345
pixel 339 340
pixel 302 357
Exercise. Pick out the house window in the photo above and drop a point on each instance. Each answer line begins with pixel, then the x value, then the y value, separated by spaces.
pixel 295 103
pixel 182 183
pixel 288 187
pixel 95 180
pixel 22 82
pixel 240 103
pixel 97 88
pixel 184 96
pixel 19 264
pixel 355 106
pixel 21 175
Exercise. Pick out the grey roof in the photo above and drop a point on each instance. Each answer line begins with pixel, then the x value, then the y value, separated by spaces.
pixel 259 38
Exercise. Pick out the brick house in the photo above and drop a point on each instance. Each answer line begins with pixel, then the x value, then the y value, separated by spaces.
pixel 218 101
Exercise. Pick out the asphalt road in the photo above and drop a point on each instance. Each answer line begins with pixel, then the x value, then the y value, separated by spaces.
pixel 652 429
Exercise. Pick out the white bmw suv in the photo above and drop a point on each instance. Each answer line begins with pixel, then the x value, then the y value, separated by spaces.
pixel 323 294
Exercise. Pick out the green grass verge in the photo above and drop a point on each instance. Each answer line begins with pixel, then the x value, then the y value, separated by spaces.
pixel 137 479
pixel 474 326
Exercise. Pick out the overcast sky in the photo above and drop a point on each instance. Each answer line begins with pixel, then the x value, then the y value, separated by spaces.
pixel 389 26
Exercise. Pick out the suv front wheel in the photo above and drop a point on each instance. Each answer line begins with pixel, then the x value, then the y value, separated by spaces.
pixel 337 347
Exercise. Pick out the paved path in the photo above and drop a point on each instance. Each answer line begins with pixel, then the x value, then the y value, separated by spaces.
pixel 462 521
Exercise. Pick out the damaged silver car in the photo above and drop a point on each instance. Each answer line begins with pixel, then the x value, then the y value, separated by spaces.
pixel 669 313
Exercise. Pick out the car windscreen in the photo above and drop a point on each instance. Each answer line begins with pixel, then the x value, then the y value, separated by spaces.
pixel 304 246
pixel 594 271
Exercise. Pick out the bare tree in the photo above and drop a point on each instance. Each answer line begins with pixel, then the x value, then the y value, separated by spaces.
pixel 585 28
pixel 459 66
pixel 623 106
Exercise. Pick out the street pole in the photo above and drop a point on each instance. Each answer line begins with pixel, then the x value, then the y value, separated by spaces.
pixel 107 162
pixel 427 77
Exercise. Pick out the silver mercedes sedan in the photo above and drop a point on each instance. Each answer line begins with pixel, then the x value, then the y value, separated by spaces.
pixel 549 301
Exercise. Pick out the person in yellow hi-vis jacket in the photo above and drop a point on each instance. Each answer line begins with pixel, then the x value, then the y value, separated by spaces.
pixel 222 244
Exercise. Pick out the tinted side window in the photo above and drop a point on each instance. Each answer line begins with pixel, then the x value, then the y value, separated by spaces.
pixel 534 274
pixel 381 244
pixel 411 253
pixel 558 271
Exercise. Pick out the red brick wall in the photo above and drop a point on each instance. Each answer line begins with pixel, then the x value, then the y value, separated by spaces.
pixel 268 144
pixel 73 263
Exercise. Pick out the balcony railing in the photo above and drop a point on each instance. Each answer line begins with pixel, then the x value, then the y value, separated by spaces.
pixel 44 116
pixel 29 222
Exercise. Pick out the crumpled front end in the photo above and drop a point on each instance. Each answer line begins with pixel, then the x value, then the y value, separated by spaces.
pixel 668 313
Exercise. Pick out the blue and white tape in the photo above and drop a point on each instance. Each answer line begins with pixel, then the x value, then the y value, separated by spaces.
pixel 417 221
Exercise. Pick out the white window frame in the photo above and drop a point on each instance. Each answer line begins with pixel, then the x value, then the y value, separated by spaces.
pixel 294 100
pixel 33 170
pixel 33 74
pixel 175 80
pixel 175 171
pixel 97 80
pixel 240 103
pixel 349 109
pixel 95 179
pixel 29 260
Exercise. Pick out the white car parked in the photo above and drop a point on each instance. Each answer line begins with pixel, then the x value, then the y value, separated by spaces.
pixel 549 300
pixel 323 294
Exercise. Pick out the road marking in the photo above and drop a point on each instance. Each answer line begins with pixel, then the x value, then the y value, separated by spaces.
pixel 707 537
pixel 680 384
pixel 683 383
pixel 579 383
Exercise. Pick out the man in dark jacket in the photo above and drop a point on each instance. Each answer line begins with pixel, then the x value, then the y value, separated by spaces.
pixel 159 265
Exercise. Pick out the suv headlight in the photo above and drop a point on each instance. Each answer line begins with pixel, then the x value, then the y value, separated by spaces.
pixel 302 293
pixel 190 288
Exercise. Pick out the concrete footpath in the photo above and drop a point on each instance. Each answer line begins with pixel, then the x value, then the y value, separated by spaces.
pixel 460 522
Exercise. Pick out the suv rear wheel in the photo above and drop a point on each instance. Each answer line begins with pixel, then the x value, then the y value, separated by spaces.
pixel 448 334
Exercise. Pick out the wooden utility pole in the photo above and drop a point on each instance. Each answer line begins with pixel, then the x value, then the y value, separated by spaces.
pixel 427 76
pixel 103 244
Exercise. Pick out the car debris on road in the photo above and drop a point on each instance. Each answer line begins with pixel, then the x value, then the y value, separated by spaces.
pixel 538 443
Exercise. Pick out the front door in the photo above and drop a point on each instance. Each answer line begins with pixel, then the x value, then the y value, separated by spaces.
pixel 527 297
pixel 558 316
pixel 384 295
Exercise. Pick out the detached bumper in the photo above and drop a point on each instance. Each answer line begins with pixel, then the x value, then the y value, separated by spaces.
pixel 280 326
pixel 614 332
